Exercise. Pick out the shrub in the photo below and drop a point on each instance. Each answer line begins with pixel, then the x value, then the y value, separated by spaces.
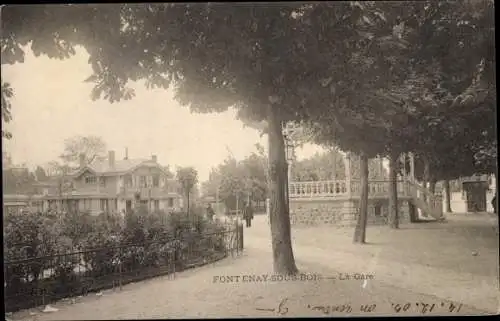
pixel 108 241
pixel 31 235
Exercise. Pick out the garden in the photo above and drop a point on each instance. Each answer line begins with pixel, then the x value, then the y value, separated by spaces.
pixel 49 256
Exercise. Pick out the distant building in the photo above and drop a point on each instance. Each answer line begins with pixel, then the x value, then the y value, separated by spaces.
pixel 107 185
pixel 6 160
pixel 474 195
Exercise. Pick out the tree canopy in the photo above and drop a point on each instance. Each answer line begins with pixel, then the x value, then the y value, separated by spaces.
pixel 245 179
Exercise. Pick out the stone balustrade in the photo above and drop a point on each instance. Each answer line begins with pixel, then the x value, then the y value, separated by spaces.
pixel 337 202
pixel 340 189
pixel 317 189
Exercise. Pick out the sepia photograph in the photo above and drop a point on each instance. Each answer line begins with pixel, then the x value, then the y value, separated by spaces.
pixel 203 160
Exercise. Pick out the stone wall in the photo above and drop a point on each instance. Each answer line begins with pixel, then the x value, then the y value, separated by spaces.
pixel 318 212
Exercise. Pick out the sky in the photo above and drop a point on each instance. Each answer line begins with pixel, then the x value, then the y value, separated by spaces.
pixel 52 102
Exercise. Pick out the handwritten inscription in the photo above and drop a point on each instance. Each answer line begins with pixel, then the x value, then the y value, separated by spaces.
pixel 328 309
pixel 412 307
pixel 423 308
pixel 281 309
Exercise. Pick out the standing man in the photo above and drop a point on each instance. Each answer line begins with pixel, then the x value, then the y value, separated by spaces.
pixel 248 215
pixel 210 212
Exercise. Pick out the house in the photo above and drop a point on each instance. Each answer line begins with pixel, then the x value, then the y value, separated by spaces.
pixel 112 185
pixel 475 195
pixel 19 202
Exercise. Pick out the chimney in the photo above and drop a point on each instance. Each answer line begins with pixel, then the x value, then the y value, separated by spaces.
pixel 82 160
pixel 126 153
pixel 111 158
pixel 154 158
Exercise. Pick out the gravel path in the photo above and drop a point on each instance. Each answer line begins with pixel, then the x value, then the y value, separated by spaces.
pixel 194 294
pixel 457 260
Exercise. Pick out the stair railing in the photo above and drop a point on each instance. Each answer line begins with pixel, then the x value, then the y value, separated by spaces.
pixel 434 201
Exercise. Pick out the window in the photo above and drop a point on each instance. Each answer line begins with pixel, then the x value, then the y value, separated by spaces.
pixel 378 210
pixel 37 205
pixel 156 205
pixel 128 181
pixel 90 180
pixel 102 181
pixel 142 181
pixel 103 205
pixel 170 202
pixel 87 204
pixel 156 180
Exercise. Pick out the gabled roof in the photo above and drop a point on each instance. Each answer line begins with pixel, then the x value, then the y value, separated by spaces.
pixel 120 166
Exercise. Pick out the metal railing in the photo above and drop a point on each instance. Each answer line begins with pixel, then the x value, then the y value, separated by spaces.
pixel 37 281
pixel 433 200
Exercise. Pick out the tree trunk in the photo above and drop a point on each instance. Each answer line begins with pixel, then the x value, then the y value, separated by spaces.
pixel 393 192
pixel 496 191
pixel 187 205
pixel 281 240
pixel 448 196
pixel 426 174
pixel 287 188
pixel 432 185
pixel 360 230
pixel 496 184
pixel 426 180
pixel 413 213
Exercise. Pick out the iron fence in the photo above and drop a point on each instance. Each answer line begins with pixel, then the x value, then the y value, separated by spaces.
pixel 40 280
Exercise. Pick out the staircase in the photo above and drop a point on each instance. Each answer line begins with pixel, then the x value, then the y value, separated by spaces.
pixel 429 203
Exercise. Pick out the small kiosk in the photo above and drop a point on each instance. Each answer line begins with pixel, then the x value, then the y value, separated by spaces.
pixel 475 188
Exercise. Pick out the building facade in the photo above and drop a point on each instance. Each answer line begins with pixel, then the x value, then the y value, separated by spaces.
pixel 109 186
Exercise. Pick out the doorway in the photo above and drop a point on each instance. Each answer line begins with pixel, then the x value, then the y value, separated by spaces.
pixel 476 196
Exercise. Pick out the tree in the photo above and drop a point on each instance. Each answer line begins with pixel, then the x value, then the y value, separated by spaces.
pixel 187 178
pixel 393 191
pixel 430 91
pixel 360 229
pixel 54 168
pixel 40 174
pixel 91 147
pixel 254 173
pixel 7 94
pixel 361 113
pixel 447 195
pixel 452 68
pixel 219 56
pixel 243 180
pixel 18 181
pixel 169 174
pixel 320 167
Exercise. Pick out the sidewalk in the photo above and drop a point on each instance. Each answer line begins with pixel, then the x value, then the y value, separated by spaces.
pixel 193 294
pixel 457 260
